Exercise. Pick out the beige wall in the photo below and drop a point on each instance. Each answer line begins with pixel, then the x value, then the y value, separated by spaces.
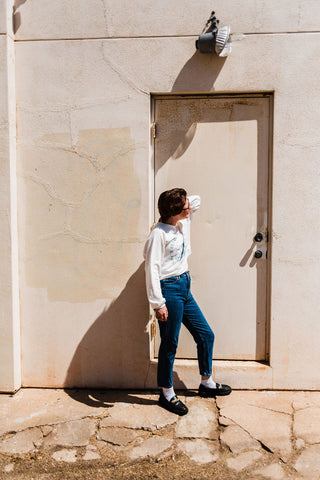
pixel 108 18
pixel 6 9
pixel 85 180
pixel 10 367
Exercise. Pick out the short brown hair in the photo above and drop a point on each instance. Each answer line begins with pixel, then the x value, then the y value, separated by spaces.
pixel 171 202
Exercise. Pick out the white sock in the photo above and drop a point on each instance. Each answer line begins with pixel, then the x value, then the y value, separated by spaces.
pixel 168 393
pixel 208 382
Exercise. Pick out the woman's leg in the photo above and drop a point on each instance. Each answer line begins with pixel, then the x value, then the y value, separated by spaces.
pixel 169 333
pixel 199 328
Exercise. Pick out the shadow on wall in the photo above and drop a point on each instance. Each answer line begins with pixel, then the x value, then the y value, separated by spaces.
pixel 115 351
pixel 16 16
pixel 198 75
pixel 116 346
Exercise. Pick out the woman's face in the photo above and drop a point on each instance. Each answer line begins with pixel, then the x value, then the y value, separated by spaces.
pixel 182 215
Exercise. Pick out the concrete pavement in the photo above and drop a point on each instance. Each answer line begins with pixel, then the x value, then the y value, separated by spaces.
pixel 50 433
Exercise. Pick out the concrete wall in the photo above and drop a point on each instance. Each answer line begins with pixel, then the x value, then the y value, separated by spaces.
pixel 84 73
pixel 10 367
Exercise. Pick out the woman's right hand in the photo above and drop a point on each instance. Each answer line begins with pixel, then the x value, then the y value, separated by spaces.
pixel 162 314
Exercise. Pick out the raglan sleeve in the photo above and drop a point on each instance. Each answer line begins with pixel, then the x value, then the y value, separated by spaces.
pixel 153 255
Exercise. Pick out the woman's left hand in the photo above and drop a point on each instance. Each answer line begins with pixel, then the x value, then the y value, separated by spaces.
pixel 162 314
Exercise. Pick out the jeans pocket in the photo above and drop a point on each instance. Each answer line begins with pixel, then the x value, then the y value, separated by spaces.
pixel 169 281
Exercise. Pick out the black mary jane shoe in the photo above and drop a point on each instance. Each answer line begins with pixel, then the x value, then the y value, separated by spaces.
pixel 174 405
pixel 219 390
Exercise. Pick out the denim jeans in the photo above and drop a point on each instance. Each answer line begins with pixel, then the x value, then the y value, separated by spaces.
pixel 182 308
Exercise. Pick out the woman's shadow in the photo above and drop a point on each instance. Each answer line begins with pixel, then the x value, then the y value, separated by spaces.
pixel 116 347
pixel 115 352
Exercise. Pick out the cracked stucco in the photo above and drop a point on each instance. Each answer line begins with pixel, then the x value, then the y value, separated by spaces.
pixel 89 195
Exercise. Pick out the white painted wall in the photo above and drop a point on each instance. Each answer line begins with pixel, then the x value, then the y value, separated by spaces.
pixel 84 73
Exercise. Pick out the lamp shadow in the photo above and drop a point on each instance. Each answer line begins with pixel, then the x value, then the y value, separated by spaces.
pixel 16 16
pixel 198 75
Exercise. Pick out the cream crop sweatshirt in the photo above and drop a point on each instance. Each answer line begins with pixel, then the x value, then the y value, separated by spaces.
pixel 166 253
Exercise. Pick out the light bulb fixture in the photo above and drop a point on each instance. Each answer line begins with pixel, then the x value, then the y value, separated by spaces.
pixel 214 39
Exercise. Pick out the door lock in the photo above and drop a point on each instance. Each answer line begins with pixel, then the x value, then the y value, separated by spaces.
pixel 258 237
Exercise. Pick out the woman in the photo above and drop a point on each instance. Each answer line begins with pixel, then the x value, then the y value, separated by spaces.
pixel 168 287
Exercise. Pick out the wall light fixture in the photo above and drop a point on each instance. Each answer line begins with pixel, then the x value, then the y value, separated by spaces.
pixel 214 39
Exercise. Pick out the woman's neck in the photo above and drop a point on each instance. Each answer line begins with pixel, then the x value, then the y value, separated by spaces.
pixel 170 221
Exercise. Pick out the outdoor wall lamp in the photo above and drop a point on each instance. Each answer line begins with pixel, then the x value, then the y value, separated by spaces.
pixel 214 39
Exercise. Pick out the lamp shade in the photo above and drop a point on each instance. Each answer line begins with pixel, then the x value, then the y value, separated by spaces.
pixel 222 47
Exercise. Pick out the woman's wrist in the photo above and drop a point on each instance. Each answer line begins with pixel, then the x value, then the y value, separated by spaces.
pixel 158 308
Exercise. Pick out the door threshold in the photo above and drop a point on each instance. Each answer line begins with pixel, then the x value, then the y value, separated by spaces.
pixel 239 374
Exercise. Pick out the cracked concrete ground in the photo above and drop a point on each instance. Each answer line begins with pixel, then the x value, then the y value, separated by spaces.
pixel 90 434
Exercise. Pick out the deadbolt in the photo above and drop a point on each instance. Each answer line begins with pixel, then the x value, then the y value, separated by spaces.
pixel 258 237
pixel 258 254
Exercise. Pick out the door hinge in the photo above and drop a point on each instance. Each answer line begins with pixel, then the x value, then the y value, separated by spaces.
pixel 154 130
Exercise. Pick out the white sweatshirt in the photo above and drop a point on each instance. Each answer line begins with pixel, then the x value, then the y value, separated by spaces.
pixel 166 253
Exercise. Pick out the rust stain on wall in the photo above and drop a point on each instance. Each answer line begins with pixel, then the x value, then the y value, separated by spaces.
pixel 82 209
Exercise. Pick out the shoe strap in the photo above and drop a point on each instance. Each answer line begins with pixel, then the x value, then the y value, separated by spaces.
pixel 174 399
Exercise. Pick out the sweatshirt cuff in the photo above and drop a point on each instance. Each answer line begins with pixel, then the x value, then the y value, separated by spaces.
pixel 157 308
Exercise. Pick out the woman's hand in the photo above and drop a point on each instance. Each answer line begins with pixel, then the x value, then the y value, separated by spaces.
pixel 162 314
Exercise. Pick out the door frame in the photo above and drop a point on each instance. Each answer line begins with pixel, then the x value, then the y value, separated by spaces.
pixel 221 95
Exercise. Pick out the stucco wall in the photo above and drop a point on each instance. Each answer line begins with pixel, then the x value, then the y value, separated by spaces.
pixel 84 73
pixel 9 290
pixel 107 18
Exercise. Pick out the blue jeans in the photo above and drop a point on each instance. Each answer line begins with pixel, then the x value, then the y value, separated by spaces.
pixel 182 308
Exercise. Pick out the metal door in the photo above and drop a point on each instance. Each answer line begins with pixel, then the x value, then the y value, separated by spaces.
pixel 218 147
